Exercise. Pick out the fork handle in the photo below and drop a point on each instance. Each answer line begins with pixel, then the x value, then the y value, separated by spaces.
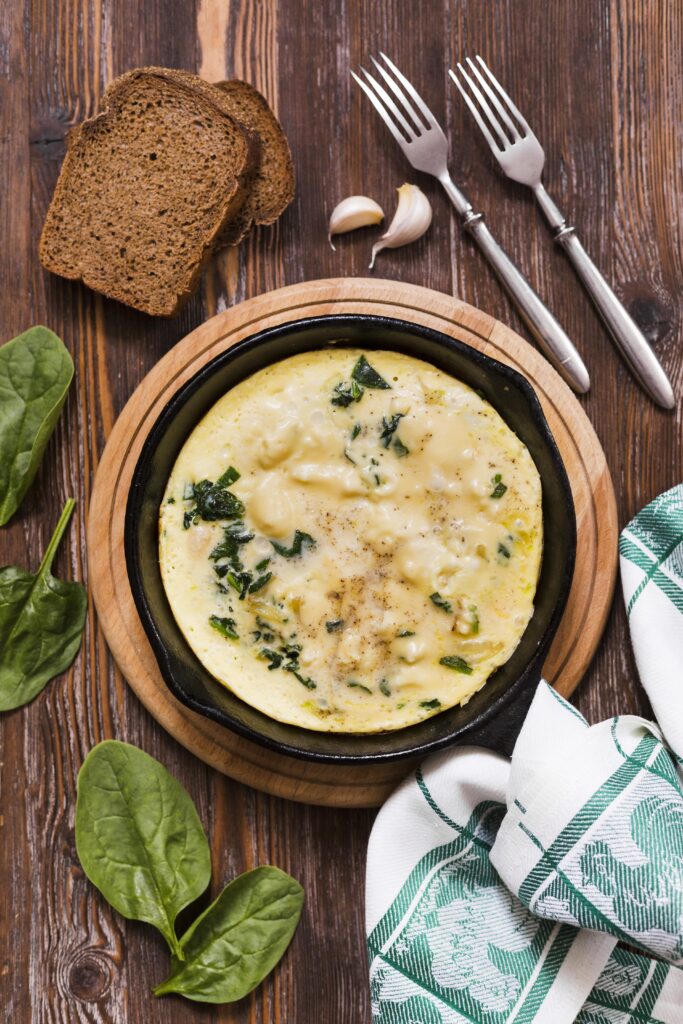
pixel 627 336
pixel 549 335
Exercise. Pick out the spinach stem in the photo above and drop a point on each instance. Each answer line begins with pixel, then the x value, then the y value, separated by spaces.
pixel 61 526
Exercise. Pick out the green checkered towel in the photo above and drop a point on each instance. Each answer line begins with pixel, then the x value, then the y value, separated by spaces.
pixel 497 891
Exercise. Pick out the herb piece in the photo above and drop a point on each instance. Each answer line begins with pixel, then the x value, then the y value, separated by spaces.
pixel 356 431
pixel 358 686
pixel 41 622
pixel 334 626
pixel 499 488
pixel 240 581
pixel 304 680
pixel 300 541
pixel 457 663
pixel 260 583
pixel 474 612
pixel 400 448
pixel 273 657
pixel 170 501
pixel 385 688
pixel 441 602
pixel 504 550
pixel 260 566
pixel 228 478
pixel 35 373
pixel 430 705
pixel 212 501
pixel 234 537
pixel 367 376
pixel 238 940
pixel 389 428
pixel 406 632
pixel 345 394
pixel 139 838
pixel 226 627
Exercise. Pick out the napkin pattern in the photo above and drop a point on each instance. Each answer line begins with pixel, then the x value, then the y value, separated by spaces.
pixel 497 892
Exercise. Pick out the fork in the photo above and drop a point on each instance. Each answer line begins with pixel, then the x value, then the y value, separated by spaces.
pixel 424 144
pixel 521 157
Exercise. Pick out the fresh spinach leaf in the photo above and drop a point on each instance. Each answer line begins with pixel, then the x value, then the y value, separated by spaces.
pixel 139 838
pixel 35 374
pixel 226 627
pixel 41 622
pixel 367 376
pixel 345 394
pixel 457 663
pixel 300 541
pixel 238 940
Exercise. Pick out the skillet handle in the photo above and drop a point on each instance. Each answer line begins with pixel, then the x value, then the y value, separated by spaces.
pixel 500 732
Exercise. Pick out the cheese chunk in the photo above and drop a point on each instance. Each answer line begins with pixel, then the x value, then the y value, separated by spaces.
pixel 352 546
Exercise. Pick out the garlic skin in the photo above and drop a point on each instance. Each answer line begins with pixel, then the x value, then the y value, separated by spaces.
pixel 353 212
pixel 412 218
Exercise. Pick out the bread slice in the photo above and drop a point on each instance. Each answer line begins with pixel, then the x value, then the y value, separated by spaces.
pixel 270 189
pixel 145 189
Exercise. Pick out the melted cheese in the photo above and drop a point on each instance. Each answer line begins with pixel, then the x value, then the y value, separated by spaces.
pixel 427 543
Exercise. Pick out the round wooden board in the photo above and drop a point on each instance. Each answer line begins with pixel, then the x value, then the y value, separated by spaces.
pixel 594 577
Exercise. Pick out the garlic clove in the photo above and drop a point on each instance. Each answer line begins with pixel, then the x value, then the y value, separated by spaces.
pixel 412 218
pixel 353 212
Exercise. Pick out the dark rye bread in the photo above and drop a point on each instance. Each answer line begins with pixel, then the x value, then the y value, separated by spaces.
pixel 145 189
pixel 270 189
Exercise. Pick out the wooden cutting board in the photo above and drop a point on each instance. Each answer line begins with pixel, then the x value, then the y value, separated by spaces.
pixel 594 577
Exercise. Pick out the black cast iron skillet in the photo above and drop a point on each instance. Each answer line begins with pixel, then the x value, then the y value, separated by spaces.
pixel 493 716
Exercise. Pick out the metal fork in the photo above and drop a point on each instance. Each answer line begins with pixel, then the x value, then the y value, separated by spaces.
pixel 521 156
pixel 425 146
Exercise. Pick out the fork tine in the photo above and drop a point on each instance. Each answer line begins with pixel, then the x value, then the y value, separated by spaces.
pixel 412 92
pixel 504 95
pixel 400 96
pixel 388 102
pixel 495 124
pixel 476 115
pixel 494 99
pixel 380 109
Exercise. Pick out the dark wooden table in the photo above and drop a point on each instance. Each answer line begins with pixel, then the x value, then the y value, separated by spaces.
pixel 602 83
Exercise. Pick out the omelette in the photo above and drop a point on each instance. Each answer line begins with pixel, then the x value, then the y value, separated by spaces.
pixel 350 540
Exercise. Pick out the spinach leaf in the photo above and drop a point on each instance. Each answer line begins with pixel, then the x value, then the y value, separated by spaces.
pixel 213 501
pixel 385 688
pixel 400 449
pixel 353 685
pixel 35 374
pixel 238 940
pixel 389 428
pixel 499 488
pixel 334 625
pixel 367 376
pixel 457 663
pixel 300 541
pixel 41 622
pixel 226 627
pixel 430 705
pixel 441 602
pixel 345 394
pixel 139 838
pixel 260 582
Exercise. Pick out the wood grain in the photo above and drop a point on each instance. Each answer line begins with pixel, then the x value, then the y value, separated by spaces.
pixel 584 460
pixel 601 82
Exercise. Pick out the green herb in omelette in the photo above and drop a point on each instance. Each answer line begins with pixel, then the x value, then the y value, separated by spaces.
pixel 389 427
pixel 441 602
pixel 353 685
pixel 499 488
pixel 430 705
pixel 226 627
pixel 367 376
pixel 346 393
pixel 400 448
pixel 504 550
pixel 406 632
pixel 384 688
pixel 356 431
pixel 213 501
pixel 334 626
pixel 457 663
pixel 300 541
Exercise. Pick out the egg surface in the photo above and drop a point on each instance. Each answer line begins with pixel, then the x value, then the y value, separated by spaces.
pixel 351 541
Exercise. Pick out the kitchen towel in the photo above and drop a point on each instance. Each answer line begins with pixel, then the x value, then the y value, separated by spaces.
pixel 497 891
